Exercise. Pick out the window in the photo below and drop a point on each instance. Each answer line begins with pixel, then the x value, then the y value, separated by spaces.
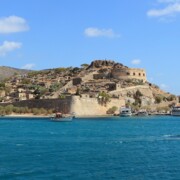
pixel 139 74
pixel 134 74
pixel 128 73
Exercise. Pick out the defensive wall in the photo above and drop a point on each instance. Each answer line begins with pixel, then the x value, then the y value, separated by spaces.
pixel 62 105
pixel 129 73
pixel 81 106
pixel 144 89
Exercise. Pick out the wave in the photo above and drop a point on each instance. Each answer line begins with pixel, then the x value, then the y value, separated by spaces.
pixel 19 144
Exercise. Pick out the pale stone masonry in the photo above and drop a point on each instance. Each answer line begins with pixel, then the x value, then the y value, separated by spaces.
pixel 129 73
pixel 85 106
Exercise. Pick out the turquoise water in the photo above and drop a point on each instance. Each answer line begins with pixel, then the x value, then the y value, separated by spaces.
pixel 99 148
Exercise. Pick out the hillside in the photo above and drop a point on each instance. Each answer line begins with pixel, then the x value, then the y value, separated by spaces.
pixel 104 80
pixel 7 72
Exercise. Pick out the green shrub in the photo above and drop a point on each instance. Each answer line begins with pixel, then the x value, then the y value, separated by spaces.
pixel 62 96
pixel 158 99
pixel 112 110
pixel 171 98
pixel 103 98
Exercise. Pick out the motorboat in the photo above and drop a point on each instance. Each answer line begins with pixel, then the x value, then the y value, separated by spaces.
pixel 125 111
pixel 59 117
pixel 142 112
pixel 175 111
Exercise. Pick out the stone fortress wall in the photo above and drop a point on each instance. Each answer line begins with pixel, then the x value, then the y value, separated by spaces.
pixel 129 73
pixel 117 71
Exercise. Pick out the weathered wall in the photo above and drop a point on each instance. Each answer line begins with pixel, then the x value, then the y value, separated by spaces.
pixel 129 73
pixel 144 89
pixel 81 106
pixel 90 106
pixel 62 105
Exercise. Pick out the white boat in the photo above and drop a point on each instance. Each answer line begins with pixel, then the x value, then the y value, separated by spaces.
pixel 125 112
pixel 142 112
pixel 175 111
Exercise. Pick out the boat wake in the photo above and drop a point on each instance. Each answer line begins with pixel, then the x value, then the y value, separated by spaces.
pixel 146 139
pixel 172 136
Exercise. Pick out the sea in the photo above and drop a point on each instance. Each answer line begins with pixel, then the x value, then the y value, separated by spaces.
pixel 135 148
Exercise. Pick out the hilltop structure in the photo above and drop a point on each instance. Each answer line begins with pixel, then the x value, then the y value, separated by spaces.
pixel 117 70
pixel 103 84
pixel 122 73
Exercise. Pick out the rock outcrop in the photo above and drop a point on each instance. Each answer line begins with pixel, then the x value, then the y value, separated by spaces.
pixel 101 63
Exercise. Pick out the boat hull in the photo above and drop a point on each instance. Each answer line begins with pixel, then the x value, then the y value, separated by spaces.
pixel 66 119
pixel 125 112
pixel 126 115
pixel 175 113
pixel 142 114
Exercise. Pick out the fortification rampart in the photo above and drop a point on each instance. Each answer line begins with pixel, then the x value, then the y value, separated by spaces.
pixel 129 73
pixel 145 90
pixel 90 106
pixel 81 106
pixel 61 105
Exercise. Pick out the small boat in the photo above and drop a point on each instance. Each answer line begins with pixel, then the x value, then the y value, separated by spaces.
pixel 142 112
pixel 175 111
pixel 59 117
pixel 125 112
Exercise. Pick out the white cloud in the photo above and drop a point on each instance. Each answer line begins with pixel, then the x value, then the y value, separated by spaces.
pixel 96 32
pixel 170 10
pixel 136 61
pixel 8 46
pixel 12 24
pixel 28 66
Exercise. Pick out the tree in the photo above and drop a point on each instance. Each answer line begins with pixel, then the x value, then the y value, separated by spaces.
pixel 84 66
pixel 2 85
pixel 77 92
pixel 9 109
pixel 60 70
pixel 171 98
pixel 26 81
pixel 137 98
pixel 54 87
pixel 103 98
pixel 62 96
pixel 76 70
pixel 7 90
pixel 138 94
pixel 158 99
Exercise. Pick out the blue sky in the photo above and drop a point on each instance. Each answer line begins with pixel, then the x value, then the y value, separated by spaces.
pixel 41 34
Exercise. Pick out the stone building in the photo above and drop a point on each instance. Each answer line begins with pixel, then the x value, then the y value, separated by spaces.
pixel 76 81
pixel 110 69
pixel 124 73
